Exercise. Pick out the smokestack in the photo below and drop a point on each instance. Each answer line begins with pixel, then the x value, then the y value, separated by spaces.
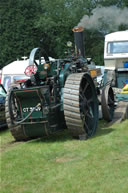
pixel 79 41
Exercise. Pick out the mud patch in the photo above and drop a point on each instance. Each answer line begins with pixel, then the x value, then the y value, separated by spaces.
pixel 9 145
pixel 64 159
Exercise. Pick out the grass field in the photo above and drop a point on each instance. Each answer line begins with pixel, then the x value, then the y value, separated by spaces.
pixel 60 164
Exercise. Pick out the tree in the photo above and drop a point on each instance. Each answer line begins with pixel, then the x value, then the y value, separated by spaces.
pixel 18 32
pixel 23 23
pixel 56 22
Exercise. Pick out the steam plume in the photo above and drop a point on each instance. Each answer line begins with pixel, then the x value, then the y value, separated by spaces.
pixel 105 19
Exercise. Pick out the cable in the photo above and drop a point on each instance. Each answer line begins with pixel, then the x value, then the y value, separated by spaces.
pixel 19 122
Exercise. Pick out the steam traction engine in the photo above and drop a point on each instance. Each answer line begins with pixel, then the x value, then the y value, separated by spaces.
pixel 59 94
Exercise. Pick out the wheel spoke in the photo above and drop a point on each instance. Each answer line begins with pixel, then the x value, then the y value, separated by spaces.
pixel 90 114
pixel 81 96
pixel 86 127
pixel 90 100
pixel 86 86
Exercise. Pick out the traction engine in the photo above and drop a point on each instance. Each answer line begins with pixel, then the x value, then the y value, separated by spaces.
pixel 59 94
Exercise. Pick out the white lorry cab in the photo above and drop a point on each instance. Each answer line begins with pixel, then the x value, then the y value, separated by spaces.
pixel 13 72
pixel 116 58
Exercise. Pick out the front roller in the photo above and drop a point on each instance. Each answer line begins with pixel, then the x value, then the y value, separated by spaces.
pixel 11 113
pixel 80 105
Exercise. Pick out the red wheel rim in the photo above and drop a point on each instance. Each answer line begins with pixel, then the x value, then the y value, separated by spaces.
pixel 31 69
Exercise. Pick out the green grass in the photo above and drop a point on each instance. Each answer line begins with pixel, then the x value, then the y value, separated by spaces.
pixel 60 164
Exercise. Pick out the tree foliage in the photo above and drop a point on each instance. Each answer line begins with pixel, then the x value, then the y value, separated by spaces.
pixel 25 24
pixel 18 31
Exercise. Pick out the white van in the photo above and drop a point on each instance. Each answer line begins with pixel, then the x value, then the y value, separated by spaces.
pixel 116 58
pixel 116 50
pixel 14 72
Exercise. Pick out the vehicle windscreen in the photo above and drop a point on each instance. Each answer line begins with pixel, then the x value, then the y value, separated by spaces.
pixel 117 47
pixel 7 82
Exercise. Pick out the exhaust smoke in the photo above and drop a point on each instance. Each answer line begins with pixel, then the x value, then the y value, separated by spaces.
pixel 105 19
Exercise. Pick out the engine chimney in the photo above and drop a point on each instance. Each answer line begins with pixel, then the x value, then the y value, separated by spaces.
pixel 79 41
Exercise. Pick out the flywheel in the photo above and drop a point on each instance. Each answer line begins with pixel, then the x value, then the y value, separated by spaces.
pixel 107 102
pixel 80 105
